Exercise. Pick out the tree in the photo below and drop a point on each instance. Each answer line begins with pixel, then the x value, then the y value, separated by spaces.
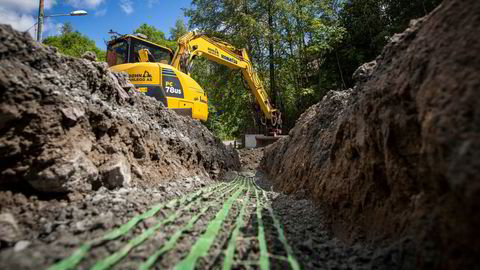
pixel 67 28
pixel 300 48
pixel 368 25
pixel 151 32
pixel 154 35
pixel 179 30
pixel 283 37
pixel 73 43
pixel 243 24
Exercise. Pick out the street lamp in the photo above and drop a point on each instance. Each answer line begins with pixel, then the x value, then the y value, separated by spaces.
pixel 73 13
pixel 41 16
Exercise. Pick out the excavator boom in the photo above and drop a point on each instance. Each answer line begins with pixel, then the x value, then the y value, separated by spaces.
pixel 193 44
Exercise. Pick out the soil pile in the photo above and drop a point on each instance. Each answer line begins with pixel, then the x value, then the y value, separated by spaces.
pixel 398 156
pixel 69 124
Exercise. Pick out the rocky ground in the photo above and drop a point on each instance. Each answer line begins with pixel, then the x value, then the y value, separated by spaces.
pixel 93 174
pixel 45 232
pixel 397 157
pixel 71 125
pixel 250 158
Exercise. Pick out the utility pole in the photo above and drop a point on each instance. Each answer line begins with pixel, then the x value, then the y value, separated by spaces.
pixel 40 21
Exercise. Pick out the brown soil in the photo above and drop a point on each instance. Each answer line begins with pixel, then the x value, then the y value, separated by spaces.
pixel 398 156
pixel 71 125
pixel 250 158
pixel 394 160
pixel 51 230
pixel 82 154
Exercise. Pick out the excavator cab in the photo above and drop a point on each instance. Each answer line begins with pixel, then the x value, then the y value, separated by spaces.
pixel 149 70
pixel 126 49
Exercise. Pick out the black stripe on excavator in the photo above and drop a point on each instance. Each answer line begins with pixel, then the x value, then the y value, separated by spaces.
pixel 152 90
pixel 168 71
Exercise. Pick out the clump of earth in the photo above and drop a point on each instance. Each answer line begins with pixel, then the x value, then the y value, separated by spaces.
pixel 250 158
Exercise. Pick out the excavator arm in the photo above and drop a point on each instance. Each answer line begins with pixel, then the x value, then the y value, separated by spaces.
pixel 193 44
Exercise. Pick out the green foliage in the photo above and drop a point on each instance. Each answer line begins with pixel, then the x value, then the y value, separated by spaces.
pixel 368 25
pixel 67 28
pixel 151 32
pixel 179 30
pixel 74 43
pixel 317 45
pixel 229 104
pixel 155 35
pixel 282 37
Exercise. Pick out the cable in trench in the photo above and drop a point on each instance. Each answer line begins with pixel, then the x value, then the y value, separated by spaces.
pixel 80 253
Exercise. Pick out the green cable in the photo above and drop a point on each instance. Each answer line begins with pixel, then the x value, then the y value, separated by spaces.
pixel 239 223
pixel 264 264
pixel 80 253
pixel 117 256
pixel 173 240
pixel 202 245
pixel 281 235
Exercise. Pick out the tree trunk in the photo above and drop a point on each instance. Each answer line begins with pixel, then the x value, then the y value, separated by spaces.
pixel 271 55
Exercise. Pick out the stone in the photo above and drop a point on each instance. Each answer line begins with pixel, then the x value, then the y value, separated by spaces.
pixel 137 171
pixel 247 174
pixel 72 114
pixel 72 172
pixel 89 56
pixel 8 114
pixel 98 197
pixel 364 71
pixel 9 231
pixel 123 81
pixel 116 172
pixel 230 175
pixel 75 196
pixel 21 245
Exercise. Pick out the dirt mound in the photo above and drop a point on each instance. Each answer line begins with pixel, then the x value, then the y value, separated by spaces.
pixel 69 124
pixel 398 156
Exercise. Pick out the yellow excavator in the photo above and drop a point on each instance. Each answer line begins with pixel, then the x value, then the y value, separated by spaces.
pixel 156 71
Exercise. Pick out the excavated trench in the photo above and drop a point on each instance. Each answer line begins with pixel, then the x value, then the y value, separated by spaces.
pixel 236 223
pixel 96 175
pixel 381 176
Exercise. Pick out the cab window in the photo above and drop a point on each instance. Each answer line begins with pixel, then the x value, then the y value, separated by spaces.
pixel 159 54
pixel 117 53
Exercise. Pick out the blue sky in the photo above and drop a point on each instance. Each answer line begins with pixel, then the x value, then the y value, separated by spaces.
pixel 123 16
